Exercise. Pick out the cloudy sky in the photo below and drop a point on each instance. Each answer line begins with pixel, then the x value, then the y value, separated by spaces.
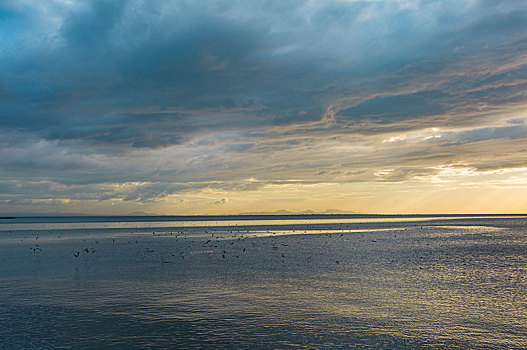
pixel 229 106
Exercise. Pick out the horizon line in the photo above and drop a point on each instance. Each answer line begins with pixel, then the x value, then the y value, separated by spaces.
pixel 20 215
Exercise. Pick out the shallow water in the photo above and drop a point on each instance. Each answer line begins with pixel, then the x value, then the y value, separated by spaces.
pixel 380 284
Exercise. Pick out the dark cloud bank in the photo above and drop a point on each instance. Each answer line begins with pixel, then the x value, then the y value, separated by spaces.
pixel 180 95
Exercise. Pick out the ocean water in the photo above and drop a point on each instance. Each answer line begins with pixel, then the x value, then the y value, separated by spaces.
pixel 264 282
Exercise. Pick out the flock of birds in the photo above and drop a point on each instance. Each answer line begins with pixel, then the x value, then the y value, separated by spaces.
pixel 308 244
pixel 216 241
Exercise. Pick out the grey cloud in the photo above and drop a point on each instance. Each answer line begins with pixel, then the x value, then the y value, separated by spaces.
pixel 31 202
pixel 222 201
pixel 91 93
pixel 516 121
pixel 136 57
pixel 403 174
pixel 483 134
pixel 150 192
pixel 88 26
pixel 390 109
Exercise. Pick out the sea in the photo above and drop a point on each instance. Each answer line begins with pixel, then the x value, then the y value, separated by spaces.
pixel 264 282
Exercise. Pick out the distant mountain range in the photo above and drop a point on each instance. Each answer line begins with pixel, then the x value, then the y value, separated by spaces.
pixel 305 212
pixel 141 213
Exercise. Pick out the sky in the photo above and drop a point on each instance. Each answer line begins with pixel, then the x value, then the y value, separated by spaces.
pixel 235 106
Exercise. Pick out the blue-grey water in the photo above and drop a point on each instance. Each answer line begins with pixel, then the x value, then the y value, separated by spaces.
pixel 287 282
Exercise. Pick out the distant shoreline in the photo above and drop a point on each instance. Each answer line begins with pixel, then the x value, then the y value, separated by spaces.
pixel 240 217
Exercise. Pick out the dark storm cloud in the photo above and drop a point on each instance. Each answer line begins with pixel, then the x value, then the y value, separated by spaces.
pixel 153 74
pixel 176 96
pixel 121 72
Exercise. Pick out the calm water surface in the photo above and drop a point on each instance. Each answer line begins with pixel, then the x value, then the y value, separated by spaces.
pixel 385 283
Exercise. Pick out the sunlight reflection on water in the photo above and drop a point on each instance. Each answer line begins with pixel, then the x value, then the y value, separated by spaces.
pixel 76 223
